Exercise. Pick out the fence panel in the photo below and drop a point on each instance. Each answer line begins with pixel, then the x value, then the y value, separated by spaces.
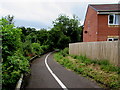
pixel 98 50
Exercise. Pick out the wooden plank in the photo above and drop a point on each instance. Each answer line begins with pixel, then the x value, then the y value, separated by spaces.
pixel 104 50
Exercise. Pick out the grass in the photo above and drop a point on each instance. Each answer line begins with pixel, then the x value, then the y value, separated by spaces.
pixel 101 71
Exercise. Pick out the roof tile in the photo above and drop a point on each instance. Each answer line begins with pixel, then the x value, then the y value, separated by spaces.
pixel 106 7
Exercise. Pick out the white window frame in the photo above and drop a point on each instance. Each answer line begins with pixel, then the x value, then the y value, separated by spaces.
pixel 112 39
pixel 114 17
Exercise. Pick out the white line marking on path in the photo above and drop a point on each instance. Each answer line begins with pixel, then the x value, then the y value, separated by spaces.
pixel 56 78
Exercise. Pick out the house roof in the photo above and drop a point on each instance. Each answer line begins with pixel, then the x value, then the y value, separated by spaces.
pixel 105 7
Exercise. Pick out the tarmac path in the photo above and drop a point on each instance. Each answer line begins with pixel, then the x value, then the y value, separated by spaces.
pixel 47 73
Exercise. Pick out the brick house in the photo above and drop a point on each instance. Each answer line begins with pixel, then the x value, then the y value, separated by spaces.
pixel 102 23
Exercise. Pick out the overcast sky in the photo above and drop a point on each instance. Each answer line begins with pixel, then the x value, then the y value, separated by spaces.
pixel 40 13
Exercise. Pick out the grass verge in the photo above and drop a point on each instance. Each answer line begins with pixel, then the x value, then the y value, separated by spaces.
pixel 101 71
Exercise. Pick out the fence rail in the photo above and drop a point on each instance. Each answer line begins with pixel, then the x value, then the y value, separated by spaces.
pixel 98 50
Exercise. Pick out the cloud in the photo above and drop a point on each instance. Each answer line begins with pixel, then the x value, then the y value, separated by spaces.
pixel 45 11
pixel 60 1
pixel 34 11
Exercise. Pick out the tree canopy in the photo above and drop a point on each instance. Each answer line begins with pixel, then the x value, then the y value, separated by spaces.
pixel 69 26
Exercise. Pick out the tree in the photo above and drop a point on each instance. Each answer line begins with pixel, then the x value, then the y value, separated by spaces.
pixel 42 36
pixel 11 40
pixel 14 63
pixel 63 42
pixel 69 27
pixel 10 19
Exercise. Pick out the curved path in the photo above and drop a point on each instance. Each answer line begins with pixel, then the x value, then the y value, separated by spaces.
pixel 47 73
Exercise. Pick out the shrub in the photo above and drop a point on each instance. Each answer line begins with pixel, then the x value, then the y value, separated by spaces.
pixel 14 63
pixel 83 59
pixel 12 69
pixel 103 62
pixel 65 52
pixel 37 49
pixel 27 48
pixel 11 40
pixel 45 48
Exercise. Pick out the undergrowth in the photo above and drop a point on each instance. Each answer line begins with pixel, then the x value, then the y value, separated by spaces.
pixel 101 71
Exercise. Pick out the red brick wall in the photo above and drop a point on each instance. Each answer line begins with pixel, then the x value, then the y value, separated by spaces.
pixel 97 27
pixel 90 25
pixel 105 30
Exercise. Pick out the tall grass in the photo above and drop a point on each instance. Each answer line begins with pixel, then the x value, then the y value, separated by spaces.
pixel 100 70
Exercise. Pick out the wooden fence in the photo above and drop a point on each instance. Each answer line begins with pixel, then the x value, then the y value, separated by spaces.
pixel 98 50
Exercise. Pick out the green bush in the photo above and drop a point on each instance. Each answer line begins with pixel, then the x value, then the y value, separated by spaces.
pixel 83 59
pixel 103 62
pixel 27 47
pixel 14 63
pixel 45 48
pixel 37 49
pixel 12 69
pixel 0 73
pixel 65 52
pixel 11 40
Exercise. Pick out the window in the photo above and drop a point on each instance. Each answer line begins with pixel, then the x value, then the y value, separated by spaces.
pixel 112 39
pixel 116 39
pixel 111 19
pixel 114 19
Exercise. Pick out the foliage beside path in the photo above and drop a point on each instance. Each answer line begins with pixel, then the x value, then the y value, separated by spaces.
pixel 106 74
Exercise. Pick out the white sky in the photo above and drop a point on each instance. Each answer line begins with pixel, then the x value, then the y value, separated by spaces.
pixel 41 13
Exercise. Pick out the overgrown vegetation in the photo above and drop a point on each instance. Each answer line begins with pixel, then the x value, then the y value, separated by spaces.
pixel 19 44
pixel 14 62
pixel 101 71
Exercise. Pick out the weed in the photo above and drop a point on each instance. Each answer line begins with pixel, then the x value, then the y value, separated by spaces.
pixel 64 52
pixel 82 64
pixel 106 74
